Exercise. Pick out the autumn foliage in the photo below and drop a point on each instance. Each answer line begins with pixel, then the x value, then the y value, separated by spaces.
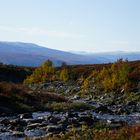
pixel 116 77
pixel 43 73
pixel 47 72
pixel 119 76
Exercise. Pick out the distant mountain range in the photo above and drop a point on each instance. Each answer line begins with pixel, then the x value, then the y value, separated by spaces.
pixel 28 54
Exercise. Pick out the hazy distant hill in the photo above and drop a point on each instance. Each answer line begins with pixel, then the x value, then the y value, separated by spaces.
pixel 113 56
pixel 29 54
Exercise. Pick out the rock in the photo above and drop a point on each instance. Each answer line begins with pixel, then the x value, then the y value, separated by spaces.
pixel 102 98
pixel 26 116
pixel 53 119
pixel 131 103
pixel 17 122
pixel 76 97
pixel 36 120
pixel 72 114
pixel 122 91
pixel 10 127
pixel 3 130
pixel 55 128
pixel 33 126
pixel 6 136
pixel 73 121
pixel 14 122
pixel 5 121
pixel 103 109
pixel 86 119
pixel 48 135
pixel 67 91
pixel 123 111
pixel 115 124
pixel 34 132
pixel 18 134
pixel 112 103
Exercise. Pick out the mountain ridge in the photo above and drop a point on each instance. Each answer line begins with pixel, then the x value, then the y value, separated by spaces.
pixel 30 54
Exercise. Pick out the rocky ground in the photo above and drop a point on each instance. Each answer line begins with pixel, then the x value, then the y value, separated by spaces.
pixel 109 110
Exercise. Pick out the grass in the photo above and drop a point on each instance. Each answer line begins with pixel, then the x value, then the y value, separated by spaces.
pixel 134 96
pixel 66 106
pixel 86 133
pixel 16 98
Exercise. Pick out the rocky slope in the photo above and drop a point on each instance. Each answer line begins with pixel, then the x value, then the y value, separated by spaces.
pixel 108 110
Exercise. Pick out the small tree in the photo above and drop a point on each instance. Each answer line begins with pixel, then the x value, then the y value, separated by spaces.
pixel 86 84
pixel 44 72
pixel 64 76
pixel 114 78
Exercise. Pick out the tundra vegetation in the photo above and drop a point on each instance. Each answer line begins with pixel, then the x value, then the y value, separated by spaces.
pixel 114 88
pixel 116 77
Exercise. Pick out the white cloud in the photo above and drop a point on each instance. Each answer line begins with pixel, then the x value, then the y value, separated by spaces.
pixel 40 32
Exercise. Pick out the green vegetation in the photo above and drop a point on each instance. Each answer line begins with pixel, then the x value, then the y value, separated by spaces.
pixel 41 74
pixel 117 77
pixel 63 106
pixel 114 78
pixel 47 72
pixel 16 98
pixel 64 76
pixel 15 74
pixel 89 79
pixel 105 80
pixel 87 133
pixel 133 96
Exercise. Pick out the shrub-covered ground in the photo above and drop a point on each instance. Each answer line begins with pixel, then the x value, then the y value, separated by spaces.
pixel 86 133
pixel 72 94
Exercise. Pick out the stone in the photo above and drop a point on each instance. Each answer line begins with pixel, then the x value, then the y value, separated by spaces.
pixel 16 122
pixel 73 121
pixel 55 128
pixel 5 121
pixel 34 132
pixel 36 120
pixel 76 97
pixel 72 114
pixel 131 103
pixel 33 126
pixel 53 119
pixel 18 134
pixel 122 111
pixel 26 116
pixel 88 119
pixel 115 124
pixel 103 109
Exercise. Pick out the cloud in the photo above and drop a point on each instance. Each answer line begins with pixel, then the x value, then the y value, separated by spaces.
pixel 40 32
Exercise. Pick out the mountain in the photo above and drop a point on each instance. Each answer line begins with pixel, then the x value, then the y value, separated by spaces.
pixel 113 56
pixel 28 54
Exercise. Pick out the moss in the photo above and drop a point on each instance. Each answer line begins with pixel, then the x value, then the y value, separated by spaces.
pixel 87 133
pixel 133 97
pixel 23 107
pixel 63 106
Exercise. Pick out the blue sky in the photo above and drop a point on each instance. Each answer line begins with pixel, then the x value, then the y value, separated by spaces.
pixel 73 25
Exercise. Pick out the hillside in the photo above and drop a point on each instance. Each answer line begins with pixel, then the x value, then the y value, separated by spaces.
pixel 83 101
pixel 15 74
pixel 28 54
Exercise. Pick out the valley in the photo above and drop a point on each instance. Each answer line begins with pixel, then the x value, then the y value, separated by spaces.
pixel 59 108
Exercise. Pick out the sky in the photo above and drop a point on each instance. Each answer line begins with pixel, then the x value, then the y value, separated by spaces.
pixel 73 25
